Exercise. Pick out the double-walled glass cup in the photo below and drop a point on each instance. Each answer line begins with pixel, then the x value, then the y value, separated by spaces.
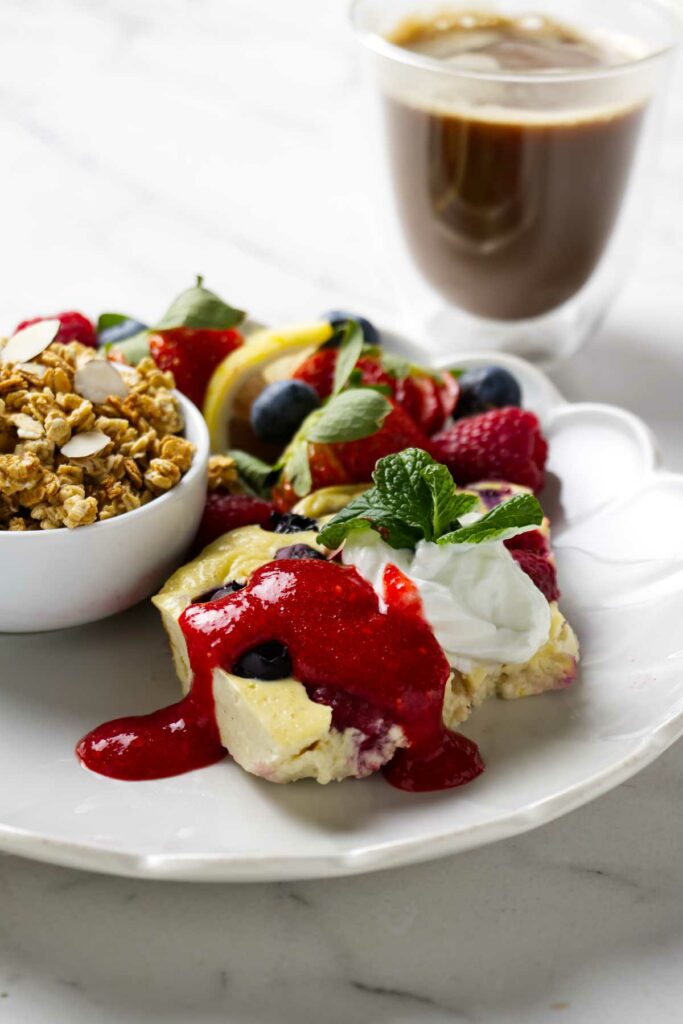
pixel 520 193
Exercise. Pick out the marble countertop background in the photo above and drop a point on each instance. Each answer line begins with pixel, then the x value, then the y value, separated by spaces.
pixel 143 141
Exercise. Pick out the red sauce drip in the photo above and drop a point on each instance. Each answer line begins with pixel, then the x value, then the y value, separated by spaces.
pixel 339 640
pixel 172 741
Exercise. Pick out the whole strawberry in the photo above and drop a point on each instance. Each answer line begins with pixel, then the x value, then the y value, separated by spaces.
pixel 192 354
pixel 504 444
pixel 399 431
pixel 74 327
pixel 540 570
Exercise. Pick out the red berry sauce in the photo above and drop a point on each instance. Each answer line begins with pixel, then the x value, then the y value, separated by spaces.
pixel 365 662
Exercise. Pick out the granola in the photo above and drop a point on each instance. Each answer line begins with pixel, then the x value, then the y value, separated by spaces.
pixel 130 441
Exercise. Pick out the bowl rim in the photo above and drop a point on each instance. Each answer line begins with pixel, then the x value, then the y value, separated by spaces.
pixel 195 431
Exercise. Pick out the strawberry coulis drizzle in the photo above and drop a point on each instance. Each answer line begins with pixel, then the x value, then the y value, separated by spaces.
pixel 339 640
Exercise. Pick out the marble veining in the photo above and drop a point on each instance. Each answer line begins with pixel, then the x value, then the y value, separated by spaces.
pixel 143 142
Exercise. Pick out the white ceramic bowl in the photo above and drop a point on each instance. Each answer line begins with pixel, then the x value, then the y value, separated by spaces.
pixel 57 578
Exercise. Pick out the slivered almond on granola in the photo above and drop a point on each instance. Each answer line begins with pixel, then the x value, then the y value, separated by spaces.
pixel 71 454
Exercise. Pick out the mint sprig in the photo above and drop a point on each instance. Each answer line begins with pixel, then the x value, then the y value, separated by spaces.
pixel 255 474
pixel 415 498
pixel 348 416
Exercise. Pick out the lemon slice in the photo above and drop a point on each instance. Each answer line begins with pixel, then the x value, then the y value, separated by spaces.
pixel 267 355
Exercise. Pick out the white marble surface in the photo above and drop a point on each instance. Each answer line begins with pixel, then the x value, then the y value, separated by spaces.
pixel 144 141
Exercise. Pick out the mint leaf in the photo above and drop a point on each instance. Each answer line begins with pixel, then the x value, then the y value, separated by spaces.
pixel 105 320
pixel 198 307
pixel 500 523
pixel 298 470
pixel 364 513
pixel 447 505
pixel 400 484
pixel 349 416
pixel 255 474
pixel 349 352
pixel 132 349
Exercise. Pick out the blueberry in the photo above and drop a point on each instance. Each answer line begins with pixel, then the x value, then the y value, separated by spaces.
pixel 120 332
pixel 216 594
pixel 487 387
pixel 267 661
pixel 338 317
pixel 299 551
pixel 290 522
pixel 281 408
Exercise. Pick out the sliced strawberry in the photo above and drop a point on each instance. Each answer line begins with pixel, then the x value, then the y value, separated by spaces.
pixel 541 571
pixel 74 327
pixel 427 400
pixel 504 444
pixel 224 512
pixel 192 354
pixel 318 371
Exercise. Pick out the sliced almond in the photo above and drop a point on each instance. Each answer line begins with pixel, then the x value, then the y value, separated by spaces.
pixel 97 380
pixel 129 373
pixel 35 369
pixel 28 429
pixel 30 341
pixel 87 443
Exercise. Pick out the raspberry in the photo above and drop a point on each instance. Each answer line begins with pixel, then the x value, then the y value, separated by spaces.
pixel 192 354
pixel 224 512
pixel 541 571
pixel 533 541
pixel 75 327
pixel 504 444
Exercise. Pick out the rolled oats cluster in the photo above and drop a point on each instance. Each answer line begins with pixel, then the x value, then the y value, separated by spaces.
pixel 71 453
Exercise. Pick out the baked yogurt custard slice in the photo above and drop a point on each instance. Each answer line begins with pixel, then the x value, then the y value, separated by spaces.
pixel 334 647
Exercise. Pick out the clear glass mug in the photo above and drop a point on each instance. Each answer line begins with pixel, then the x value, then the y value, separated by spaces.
pixel 528 260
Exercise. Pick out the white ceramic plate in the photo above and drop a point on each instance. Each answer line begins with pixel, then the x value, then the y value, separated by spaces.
pixel 620 553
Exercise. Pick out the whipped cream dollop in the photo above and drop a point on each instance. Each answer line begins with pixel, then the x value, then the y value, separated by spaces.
pixel 480 604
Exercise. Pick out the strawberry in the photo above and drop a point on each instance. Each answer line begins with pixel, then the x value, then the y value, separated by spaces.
pixel 503 444
pixel 397 432
pixel 224 512
pixel 192 354
pixel 541 571
pixel 318 371
pixel 326 471
pixel 428 401
pixel 74 327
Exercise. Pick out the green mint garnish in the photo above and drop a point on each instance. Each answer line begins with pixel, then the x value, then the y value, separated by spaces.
pixel 105 320
pixel 415 498
pixel 254 474
pixel 198 307
pixel 132 349
pixel 348 416
pixel 500 523
pixel 348 354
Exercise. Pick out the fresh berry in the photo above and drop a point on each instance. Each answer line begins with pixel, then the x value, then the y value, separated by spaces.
pixel 339 317
pixel 268 661
pixel 358 458
pixel 298 551
pixel 533 541
pixel 224 512
pixel 218 592
pixel 192 354
pixel 430 402
pixel 120 332
pixel 290 522
pixel 280 409
pixel 74 327
pixel 541 571
pixel 504 444
pixel 318 371
pixel 487 387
